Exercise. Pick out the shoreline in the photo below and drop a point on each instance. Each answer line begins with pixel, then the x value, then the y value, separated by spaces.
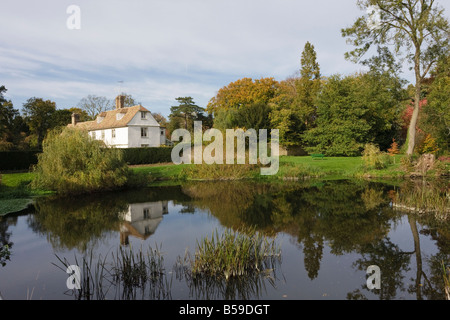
pixel 13 185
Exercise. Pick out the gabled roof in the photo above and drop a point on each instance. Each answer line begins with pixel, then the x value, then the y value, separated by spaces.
pixel 110 119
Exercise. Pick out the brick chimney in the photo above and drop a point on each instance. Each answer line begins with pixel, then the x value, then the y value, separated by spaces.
pixel 75 118
pixel 120 101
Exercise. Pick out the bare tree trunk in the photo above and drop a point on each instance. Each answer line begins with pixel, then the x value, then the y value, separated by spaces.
pixel 415 114
pixel 413 123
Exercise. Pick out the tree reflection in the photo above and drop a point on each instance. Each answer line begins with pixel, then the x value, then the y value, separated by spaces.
pixel 345 216
pixel 76 223
pixel 5 235
pixel 350 216
pixel 392 263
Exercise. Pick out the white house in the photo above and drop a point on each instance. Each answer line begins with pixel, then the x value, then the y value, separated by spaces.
pixel 142 219
pixel 129 127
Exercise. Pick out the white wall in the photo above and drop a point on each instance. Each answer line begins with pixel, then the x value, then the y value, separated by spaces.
pixel 146 225
pixel 153 138
pixel 148 121
pixel 135 140
pixel 120 141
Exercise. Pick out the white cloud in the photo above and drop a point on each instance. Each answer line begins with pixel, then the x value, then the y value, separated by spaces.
pixel 163 49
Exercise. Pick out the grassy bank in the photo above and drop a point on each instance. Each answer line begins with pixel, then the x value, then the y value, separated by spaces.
pixel 336 167
pixel 291 167
pixel 15 192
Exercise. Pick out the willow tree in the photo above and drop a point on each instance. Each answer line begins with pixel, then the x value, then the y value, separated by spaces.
pixel 415 31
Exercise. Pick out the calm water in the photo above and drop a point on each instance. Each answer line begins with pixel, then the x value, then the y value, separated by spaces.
pixel 329 234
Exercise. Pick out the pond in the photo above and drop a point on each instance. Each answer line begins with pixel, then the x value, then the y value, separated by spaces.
pixel 329 234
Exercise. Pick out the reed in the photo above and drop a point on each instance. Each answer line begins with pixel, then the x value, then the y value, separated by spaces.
pixel 127 275
pixel 424 197
pixel 234 254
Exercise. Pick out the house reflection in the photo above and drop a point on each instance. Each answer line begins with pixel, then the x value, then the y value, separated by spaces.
pixel 141 220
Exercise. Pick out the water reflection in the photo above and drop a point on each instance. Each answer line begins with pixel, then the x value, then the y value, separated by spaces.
pixel 79 223
pixel 338 218
pixel 141 220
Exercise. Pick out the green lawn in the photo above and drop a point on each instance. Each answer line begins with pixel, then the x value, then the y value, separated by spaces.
pixel 16 179
pixel 337 166
pixel 328 165
pixel 165 172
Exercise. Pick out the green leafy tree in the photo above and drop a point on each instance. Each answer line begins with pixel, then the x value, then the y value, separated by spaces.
pixel 418 26
pixel 252 116
pixel 61 118
pixel 436 112
pixel 7 119
pixel 82 114
pixel 355 110
pixel 285 115
pixel 341 129
pixel 38 115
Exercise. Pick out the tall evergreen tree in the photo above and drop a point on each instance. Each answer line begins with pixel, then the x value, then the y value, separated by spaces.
pixel 187 111
pixel 308 85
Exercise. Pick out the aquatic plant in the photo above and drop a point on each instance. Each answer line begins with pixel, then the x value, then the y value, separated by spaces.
pixel 128 276
pixel 233 254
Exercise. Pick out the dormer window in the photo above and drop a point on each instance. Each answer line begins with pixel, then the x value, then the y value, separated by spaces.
pixel 121 113
pixel 101 116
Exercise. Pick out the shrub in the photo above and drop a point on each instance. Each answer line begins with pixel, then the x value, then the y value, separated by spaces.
pixel 17 160
pixel 429 145
pixel 374 158
pixel 219 171
pixel 407 163
pixel 72 163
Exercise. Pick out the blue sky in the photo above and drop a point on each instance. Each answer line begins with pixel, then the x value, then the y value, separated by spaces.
pixel 159 50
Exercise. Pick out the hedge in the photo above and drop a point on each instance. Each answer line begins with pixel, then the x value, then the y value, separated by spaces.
pixel 147 155
pixel 17 160
pixel 23 160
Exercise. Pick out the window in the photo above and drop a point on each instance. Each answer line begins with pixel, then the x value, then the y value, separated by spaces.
pixel 144 145
pixel 103 134
pixel 144 132
pixel 162 132
pixel 113 133
pixel 143 115
pixel 146 213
